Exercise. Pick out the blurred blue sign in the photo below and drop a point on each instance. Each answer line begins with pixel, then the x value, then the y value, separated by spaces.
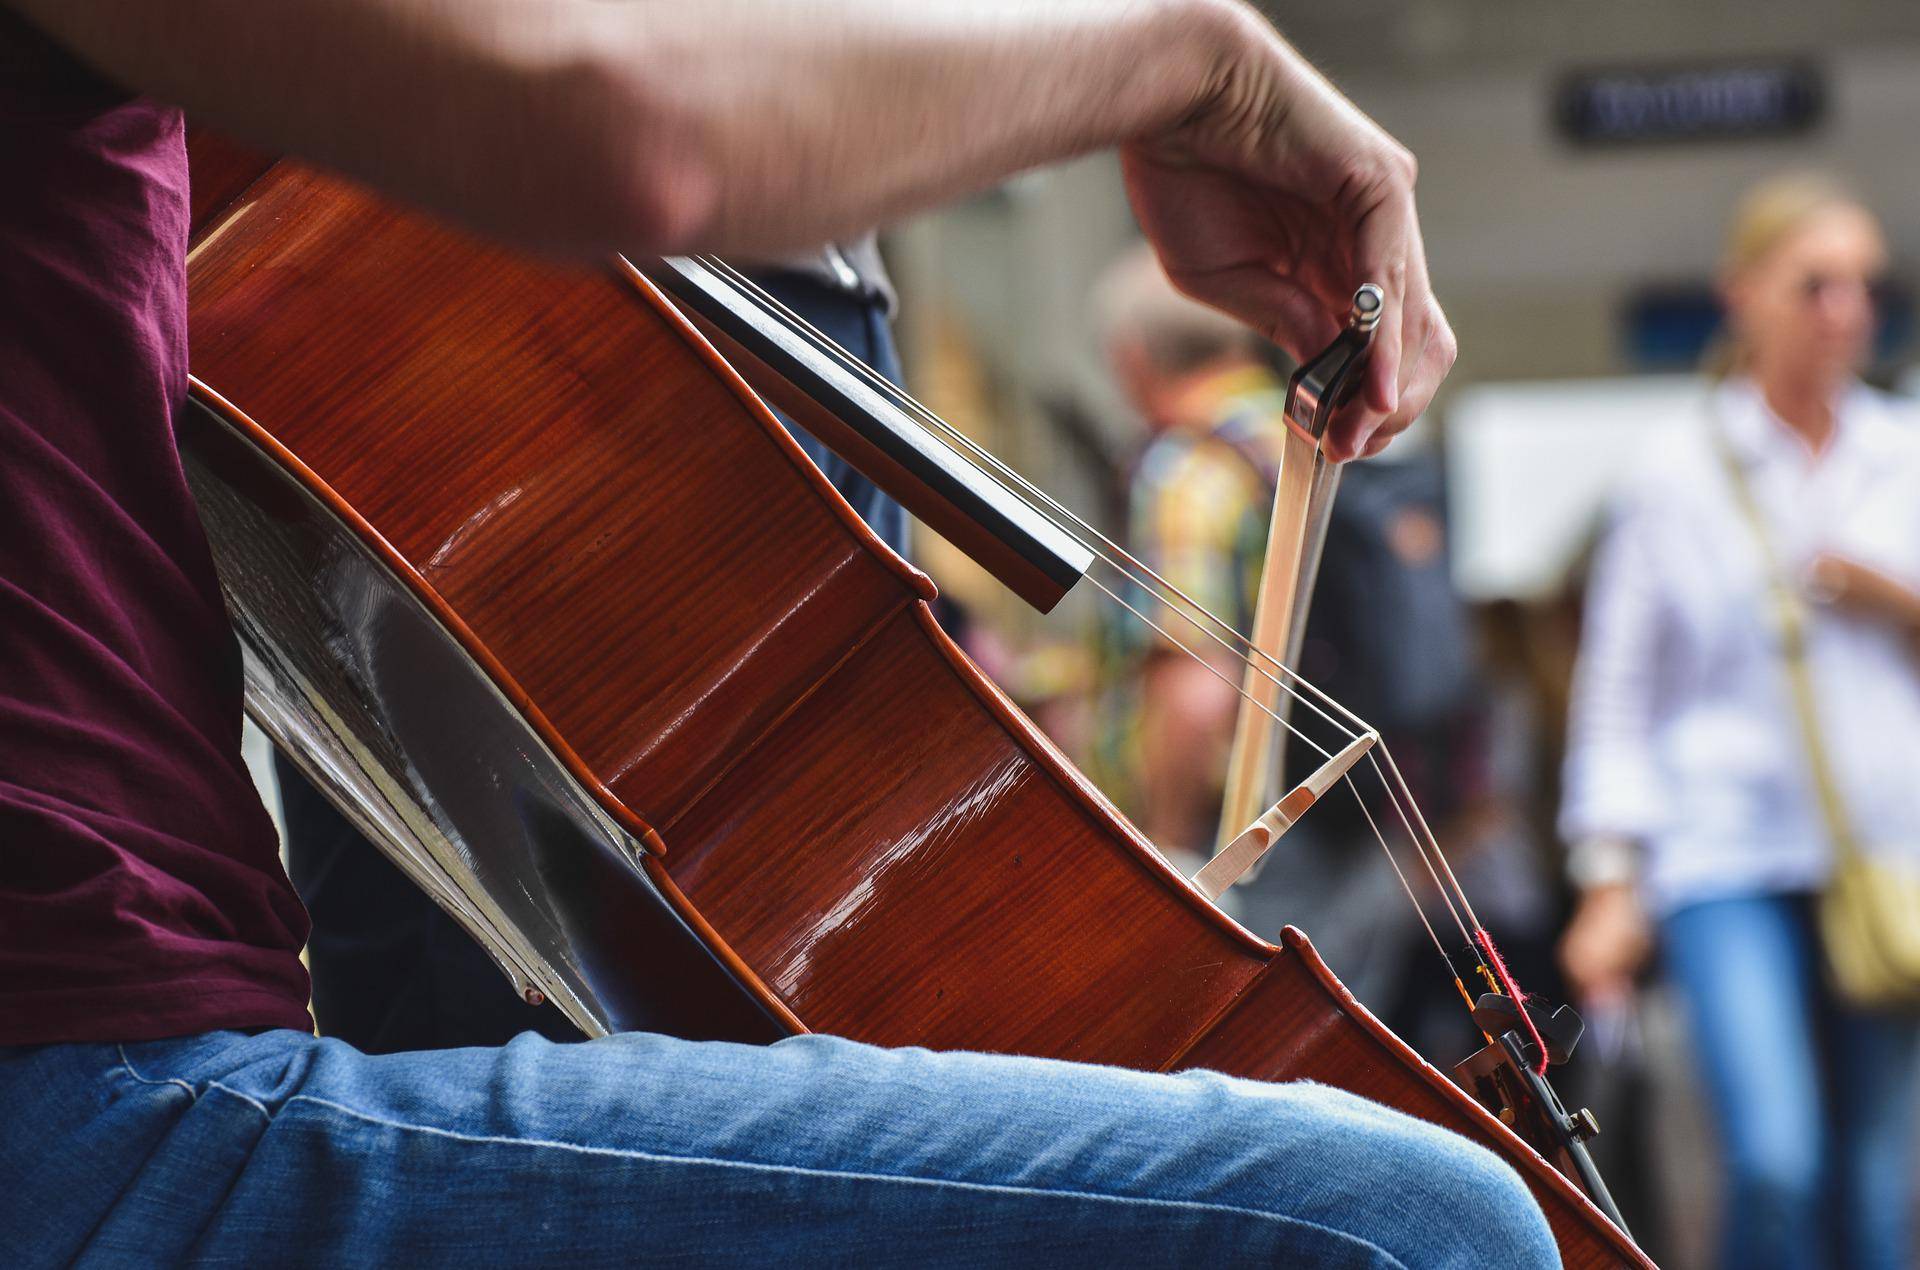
pixel 1727 101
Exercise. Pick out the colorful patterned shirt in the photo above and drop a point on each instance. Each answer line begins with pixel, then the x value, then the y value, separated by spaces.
pixel 1200 499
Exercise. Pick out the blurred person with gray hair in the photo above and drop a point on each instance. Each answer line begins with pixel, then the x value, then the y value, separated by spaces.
pixel 1199 495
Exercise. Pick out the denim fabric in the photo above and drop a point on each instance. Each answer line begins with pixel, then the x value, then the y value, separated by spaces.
pixel 283 1149
pixel 1814 1102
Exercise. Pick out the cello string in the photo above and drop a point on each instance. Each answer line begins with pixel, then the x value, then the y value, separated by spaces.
pixel 1063 518
pixel 1445 884
pixel 1212 670
pixel 1077 529
pixel 1016 484
pixel 1085 535
pixel 1419 908
pixel 1349 732
pixel 1105 549
pixel 1378 837
pixel 1005 475
pixel 1080 531
pixel 1431 841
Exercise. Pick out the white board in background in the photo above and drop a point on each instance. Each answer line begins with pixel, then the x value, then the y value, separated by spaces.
pixel 1530 467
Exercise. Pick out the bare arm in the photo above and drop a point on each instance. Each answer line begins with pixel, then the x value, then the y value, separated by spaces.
pixel 724 124
pixel 753 125
pixel 1614 796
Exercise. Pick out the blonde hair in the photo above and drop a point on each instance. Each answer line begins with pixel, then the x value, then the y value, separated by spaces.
pixel 1768 215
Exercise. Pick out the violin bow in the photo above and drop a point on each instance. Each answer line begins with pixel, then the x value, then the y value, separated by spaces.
pixel 1302 505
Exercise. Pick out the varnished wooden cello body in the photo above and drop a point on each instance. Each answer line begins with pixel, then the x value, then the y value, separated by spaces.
pixel 530 581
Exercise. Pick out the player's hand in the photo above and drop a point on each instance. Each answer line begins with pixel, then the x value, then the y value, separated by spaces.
pixel 1274 200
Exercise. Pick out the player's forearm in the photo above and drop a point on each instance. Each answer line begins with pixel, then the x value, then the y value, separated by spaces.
pixel 899 106
pixel 666 125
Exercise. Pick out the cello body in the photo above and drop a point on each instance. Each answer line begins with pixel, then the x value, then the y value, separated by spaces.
pixel 534 586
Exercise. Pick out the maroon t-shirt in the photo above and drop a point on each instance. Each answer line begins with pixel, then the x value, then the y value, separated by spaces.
pixel 141 893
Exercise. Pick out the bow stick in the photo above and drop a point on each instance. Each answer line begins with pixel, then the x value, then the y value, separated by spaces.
pixel 1302 503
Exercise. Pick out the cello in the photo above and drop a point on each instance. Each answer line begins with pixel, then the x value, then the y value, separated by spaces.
pixel 527 578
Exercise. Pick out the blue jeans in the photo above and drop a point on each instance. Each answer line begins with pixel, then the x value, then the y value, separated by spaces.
pixel 283 1149
pixel 1814 1101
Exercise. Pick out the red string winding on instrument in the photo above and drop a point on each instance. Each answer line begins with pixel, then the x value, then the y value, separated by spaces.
pixel 532 584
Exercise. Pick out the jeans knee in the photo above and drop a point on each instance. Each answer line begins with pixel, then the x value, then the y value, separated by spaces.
pixel 1495 1218
pixel 1427 1196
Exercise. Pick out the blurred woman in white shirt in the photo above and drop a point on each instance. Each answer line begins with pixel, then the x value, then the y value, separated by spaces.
pixel 1689 802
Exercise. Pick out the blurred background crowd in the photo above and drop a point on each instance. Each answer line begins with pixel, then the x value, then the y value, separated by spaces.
pixel 1674 240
